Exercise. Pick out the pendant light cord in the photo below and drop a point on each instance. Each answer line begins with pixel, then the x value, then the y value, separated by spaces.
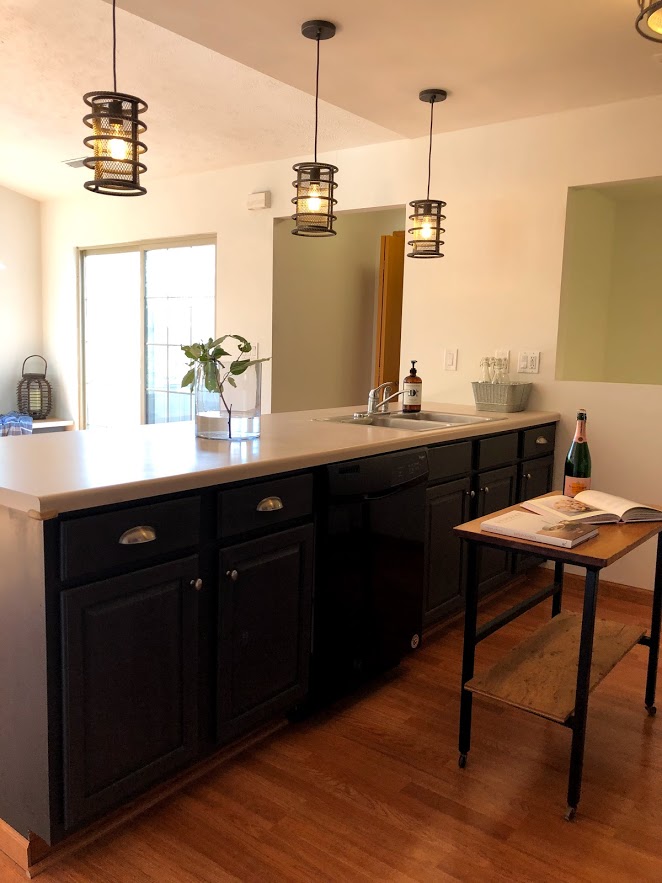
pixel 114 50
pixel 430 147
pixel 317 88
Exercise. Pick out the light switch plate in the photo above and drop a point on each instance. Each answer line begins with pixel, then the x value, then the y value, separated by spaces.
pixel 450 360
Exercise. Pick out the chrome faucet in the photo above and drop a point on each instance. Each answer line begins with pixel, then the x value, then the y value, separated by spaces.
pixel 374 403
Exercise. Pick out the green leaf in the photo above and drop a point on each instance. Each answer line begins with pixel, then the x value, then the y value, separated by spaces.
pixel 211 377
pixel 239 366
pixel 188 378
pixel 218 351
pixel 232 382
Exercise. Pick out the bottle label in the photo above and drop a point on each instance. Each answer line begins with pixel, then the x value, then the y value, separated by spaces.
pixel 412 394
pixel 574 485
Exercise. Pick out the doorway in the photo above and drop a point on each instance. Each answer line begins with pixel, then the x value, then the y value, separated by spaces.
pixel 328 308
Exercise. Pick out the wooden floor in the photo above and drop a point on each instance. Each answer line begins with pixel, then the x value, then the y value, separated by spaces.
pixel 371 790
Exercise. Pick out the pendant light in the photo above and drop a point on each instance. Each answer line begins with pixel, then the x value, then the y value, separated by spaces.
pixel 314 185
pixel 427 217
pixel 115 139
pixel 649 20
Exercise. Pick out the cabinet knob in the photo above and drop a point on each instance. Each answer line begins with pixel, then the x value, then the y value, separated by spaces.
pixel 541 440
pixel 233 575
pixel 526 475
pixel 471 494
pixel 485 489
pixel 196 584
pixel 269 504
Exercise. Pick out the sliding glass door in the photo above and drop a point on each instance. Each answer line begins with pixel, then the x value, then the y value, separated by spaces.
pixel 139 305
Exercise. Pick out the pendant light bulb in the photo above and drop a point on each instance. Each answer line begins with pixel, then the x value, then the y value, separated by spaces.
pixel 649 20
pixel 115 140
pixel 426 230
pixel 314 184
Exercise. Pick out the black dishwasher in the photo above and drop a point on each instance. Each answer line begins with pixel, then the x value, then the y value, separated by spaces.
pixel 368 602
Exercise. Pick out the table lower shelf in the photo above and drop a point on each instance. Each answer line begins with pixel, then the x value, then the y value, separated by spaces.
pixel 540 674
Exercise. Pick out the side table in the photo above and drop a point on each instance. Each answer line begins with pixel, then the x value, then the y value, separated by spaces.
pixel 552 672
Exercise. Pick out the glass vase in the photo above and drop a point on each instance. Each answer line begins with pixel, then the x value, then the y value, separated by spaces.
pixel 234 412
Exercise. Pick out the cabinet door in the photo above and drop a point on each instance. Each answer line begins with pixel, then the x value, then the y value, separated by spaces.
pixel 496 490
pixel 130 654
pixel 446 505
pixel 265 626
pixel 536 478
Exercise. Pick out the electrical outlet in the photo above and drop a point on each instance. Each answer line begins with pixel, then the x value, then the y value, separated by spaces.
pixel 450 360
pixel 528 362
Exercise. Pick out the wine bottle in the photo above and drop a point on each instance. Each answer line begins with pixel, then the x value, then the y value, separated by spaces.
pixel 578 460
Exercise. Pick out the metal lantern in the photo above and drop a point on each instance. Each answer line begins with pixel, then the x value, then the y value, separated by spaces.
pixel 314 184
pixel 314 200
pixel 115 139
pixel 115 142
pixel 34 393
pixel 426 230
pixel 649 20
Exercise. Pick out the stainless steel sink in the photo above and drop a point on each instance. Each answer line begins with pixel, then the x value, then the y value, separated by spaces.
pixel 418 421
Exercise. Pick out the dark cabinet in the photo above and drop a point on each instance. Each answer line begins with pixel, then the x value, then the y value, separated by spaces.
pixel 265 596
pixel 129 688
pixel 495 490
pixel 536 478
pixel 446 505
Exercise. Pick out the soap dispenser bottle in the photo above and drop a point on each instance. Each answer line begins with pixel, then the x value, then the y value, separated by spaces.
pixel 413 387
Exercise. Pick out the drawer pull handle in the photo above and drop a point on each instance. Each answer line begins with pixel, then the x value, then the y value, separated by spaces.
pixel 233 575
pixel 270 504
pixel 141 534
pixel 471 494
pixel 196 584
pixel 541 440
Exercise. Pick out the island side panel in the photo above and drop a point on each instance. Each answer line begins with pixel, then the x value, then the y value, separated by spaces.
pixel 24 769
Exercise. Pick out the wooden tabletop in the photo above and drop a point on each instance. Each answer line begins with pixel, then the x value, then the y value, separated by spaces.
pixel 612 542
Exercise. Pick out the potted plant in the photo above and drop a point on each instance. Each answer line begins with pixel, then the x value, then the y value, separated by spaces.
pixel 227 387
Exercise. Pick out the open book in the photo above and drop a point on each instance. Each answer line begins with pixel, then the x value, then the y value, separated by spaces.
pixel 539 529
pixel 592 507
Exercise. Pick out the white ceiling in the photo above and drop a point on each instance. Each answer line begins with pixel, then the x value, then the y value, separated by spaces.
pixel 230 83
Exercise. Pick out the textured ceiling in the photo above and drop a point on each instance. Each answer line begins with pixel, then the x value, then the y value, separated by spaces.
pixel 206 111
pixel 231 83
pixel 499 59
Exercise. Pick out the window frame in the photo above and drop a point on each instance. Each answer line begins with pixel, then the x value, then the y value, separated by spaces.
pixel 141 247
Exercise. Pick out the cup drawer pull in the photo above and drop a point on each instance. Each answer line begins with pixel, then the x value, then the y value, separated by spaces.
pixel 270 504
pixel 140 534
pixel 541 440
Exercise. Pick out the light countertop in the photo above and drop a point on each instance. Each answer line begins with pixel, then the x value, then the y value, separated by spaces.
pixel 49 473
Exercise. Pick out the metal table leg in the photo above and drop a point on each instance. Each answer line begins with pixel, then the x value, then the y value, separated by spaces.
pixel 557 597
pixel 468 651
pixel 654 641
pixel 582 691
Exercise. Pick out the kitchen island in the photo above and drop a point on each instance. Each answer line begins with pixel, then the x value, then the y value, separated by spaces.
pixel 157 588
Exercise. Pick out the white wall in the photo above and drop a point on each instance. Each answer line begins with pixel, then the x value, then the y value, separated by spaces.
pixel 498 285
pixel 20 292
pixel 324 310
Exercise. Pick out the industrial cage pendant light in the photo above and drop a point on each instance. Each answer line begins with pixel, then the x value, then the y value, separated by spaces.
pixel 649 20
pixel 427 217
pixel 115 139
pixel 314 185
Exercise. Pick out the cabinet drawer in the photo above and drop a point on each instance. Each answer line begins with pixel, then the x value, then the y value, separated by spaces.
pixel 264 504
pixel 497 450
pixel 447 461
pixel 94 543
pixel 539 440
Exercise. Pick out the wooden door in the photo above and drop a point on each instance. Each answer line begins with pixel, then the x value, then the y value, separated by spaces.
pixel 389 308
pixel 445 506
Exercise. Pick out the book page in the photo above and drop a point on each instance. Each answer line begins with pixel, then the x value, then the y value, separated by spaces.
pixel 618 505
pixel 560 508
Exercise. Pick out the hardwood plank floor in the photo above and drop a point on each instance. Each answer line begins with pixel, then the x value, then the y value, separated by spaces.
pixel 370 789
